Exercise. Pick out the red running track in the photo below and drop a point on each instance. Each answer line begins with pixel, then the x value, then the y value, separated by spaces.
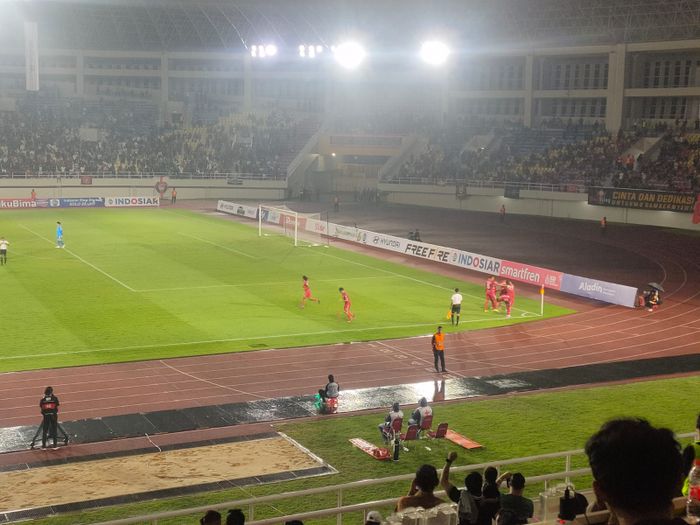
pixel 596 334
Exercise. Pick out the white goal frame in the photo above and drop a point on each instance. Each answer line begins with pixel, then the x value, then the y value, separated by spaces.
pixel 284 223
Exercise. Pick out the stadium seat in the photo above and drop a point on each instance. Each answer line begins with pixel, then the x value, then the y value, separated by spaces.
pixel 394 430
pixel 410 435
pixel 426 425
pixel 331 405
pixel 439 433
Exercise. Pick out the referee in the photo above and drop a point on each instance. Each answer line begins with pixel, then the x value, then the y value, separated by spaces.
pixel 456 306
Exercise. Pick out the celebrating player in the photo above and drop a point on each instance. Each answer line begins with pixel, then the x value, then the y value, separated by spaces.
pixel 490 289
pixel 346 304
pixel 307 293
pixel 507 296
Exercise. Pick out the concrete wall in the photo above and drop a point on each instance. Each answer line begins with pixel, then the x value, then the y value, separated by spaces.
pixel 113 187
pixel 547 204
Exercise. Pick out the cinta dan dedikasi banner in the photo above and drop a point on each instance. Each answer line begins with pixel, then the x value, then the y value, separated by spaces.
pixel 642 199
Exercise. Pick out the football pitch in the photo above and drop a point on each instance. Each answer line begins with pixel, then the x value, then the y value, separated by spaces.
pixel 136 284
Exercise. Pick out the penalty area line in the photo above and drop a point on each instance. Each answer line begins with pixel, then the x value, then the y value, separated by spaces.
pixel 87 263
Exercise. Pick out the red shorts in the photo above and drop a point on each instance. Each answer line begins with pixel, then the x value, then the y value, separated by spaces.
pixel 307 294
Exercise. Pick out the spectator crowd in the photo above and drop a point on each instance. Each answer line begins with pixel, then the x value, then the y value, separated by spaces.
pixel 72 140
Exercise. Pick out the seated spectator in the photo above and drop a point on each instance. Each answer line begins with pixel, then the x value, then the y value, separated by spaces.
pixel 637 470
pixel 331 390
pixel 235 517
pixel 421 491
pixel 515 508
pixel 211 517
pixel 652 300
pixel 420 412
pixel 469 500
pixel 385 428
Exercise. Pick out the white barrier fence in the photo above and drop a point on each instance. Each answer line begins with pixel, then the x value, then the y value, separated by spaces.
pixel 340 490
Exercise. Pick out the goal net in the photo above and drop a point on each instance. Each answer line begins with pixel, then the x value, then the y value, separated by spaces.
pixel 306 229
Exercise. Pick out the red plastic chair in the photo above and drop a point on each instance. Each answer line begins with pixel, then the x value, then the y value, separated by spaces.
pixel 440 433
pixel 410 435
pixel 394 431
pixel 426 424
pixel 331 405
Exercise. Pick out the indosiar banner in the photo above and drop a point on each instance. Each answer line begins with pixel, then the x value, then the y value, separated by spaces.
pixel 642 199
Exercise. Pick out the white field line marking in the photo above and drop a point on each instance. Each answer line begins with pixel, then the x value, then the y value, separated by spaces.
pixel 228 340
pixel 120 283
pixel 414 279
pixel 227 248
pixel 231 389
pixel 258 284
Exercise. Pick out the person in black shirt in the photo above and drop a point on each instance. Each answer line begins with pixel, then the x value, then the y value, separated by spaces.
pixel 49 425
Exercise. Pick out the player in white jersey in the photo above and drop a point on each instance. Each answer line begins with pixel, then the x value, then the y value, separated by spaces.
pixel 456 306
pixel 3 250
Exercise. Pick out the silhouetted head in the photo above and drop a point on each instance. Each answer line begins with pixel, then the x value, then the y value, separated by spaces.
pixel 423 402
pixel 427 478
pixel 48 391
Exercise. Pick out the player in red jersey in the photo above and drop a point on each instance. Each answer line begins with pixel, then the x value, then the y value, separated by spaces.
pixel 507 296
pixel 346 304
pixel 490 288
pixel 307 293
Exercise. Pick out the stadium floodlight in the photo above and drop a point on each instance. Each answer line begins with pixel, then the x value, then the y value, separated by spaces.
pixel 263 51
pixel 349 54
pixel 310 51
pixel 434 52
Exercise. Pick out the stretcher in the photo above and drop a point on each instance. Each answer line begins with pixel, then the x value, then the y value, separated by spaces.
pixel 459 439
pixel 379 453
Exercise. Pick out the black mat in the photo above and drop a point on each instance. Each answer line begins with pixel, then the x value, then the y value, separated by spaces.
pixel 166 421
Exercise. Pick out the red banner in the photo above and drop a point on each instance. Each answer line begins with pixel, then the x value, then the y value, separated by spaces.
pixel 531 274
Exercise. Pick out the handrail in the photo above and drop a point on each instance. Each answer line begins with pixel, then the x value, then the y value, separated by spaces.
pixel 143 175
pixel 340 509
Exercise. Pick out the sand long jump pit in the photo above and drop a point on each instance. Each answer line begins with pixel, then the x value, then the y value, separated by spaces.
pixel 141 476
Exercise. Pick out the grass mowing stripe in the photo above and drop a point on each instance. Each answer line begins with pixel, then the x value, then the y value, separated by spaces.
pixel 265 283
pixel 228 340
pixel 120 283
pixel 227 248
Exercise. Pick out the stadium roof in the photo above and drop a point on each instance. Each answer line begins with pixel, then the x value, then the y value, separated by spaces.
pixel 233 25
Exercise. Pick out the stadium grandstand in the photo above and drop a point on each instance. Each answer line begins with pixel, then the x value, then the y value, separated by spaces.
pixel 224 176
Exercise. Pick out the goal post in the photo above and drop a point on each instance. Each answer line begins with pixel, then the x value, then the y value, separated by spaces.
pixel 305 229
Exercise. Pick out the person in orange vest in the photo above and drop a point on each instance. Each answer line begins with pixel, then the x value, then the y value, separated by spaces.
pixel 33 195
pixel 603 225
pixel 173 196
pixel 438 343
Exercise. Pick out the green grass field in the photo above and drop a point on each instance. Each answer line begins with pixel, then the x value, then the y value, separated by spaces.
pixel 508 427
pixel 142 284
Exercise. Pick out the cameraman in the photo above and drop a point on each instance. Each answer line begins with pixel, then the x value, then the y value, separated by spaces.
pixel 49 425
